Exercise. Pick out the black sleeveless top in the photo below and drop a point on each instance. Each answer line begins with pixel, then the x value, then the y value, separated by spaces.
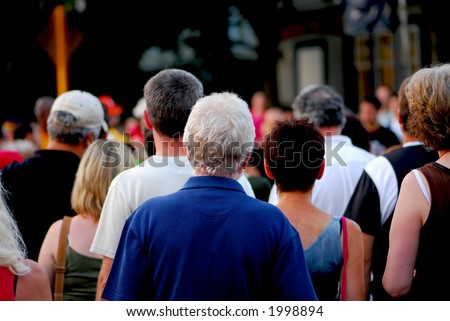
pixel 432 279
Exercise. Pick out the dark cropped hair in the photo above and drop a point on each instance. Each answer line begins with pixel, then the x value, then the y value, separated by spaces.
pixel 294 152
pixel 372 99
pixel 170 96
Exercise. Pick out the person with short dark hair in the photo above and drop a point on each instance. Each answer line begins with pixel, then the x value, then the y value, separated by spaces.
pixel 294 157
pixel 169 96
pixel 324 107
pixel 380 138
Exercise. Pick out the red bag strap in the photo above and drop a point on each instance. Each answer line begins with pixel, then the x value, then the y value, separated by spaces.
pixel 344 254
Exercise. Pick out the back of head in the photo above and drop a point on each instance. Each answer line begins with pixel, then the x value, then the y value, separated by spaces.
pixel 219 135
pixel 169 96
pixel 294 152
pixel 321 105
pixel 101 162
pixel 42 108
pixel 428 94
pixel 74 115
pixel 383 93
pixel 373 100
pixel 403 105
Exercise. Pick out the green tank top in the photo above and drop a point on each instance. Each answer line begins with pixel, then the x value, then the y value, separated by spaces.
pixel 80 280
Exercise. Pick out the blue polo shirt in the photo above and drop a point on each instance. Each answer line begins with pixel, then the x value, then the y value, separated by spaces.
pixel 209 241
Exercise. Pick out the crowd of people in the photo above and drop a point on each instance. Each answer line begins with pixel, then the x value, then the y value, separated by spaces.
pixel 230 200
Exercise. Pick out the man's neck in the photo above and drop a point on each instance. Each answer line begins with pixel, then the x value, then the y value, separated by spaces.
pixel 168 146
pixel 78 150
pixel 408 138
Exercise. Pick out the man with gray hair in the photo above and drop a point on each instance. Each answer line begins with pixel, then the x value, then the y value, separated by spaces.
pixel 209 240
pixel 39 189
pixel 323 106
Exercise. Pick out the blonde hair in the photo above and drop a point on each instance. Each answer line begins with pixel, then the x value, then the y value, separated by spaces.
pixel 12 247
pixel 101 162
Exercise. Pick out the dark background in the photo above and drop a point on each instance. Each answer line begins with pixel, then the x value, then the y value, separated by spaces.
pixel 115 34
pixel 114 37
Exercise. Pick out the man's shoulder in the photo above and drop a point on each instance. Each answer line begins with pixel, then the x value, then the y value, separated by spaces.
pixel 350 152
pixel 154 171
pixel 261 209
pixel 17 169
pixel 362 153
pixel 160 203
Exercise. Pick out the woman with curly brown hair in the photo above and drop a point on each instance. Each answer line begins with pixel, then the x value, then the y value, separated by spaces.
pixel 419 238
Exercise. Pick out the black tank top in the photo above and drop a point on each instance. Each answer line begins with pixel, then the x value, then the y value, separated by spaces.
pixel 432 280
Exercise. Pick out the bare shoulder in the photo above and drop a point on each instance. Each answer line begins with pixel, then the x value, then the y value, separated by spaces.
pixel 55 227
pixel 354 230
pixel 35 285
pixel 353 226
pixel 53 231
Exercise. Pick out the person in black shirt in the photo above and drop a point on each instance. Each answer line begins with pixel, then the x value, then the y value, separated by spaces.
pixel 38 190
pixel 380 138
pixel 373 201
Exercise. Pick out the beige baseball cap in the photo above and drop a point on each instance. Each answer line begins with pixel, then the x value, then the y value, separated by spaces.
pixel 83 106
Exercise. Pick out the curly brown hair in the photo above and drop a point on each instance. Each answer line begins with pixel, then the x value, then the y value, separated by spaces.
pixel 428 94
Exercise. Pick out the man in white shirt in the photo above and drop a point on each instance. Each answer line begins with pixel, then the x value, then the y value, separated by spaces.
pixel 344 162
pixel 169 96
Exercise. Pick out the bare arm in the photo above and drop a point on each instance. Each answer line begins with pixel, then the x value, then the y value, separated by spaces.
pixel 103 276
pixel 355 263
pixel 49 250
pixel 410 212
pixel 33 286
pixel 368 245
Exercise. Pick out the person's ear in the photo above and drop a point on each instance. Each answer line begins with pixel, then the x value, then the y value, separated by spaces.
pixel 245 163
pixel 399 117
pixel 147 120
pixel 321 170
pixel 267 170
pixel 88 140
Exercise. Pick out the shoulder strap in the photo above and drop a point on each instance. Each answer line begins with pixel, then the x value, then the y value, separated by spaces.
pixel 438 181
pixel 344 255
pixel 60 265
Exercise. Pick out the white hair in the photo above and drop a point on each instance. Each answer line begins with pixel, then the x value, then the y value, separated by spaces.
pixel 12 247
pixel 219 135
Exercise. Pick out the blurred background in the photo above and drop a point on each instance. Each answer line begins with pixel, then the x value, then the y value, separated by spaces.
pixel 114 47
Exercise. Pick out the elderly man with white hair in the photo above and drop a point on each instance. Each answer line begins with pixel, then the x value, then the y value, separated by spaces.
pixel 209 240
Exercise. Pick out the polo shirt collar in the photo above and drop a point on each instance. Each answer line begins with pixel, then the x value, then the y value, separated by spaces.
pixel 217 182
